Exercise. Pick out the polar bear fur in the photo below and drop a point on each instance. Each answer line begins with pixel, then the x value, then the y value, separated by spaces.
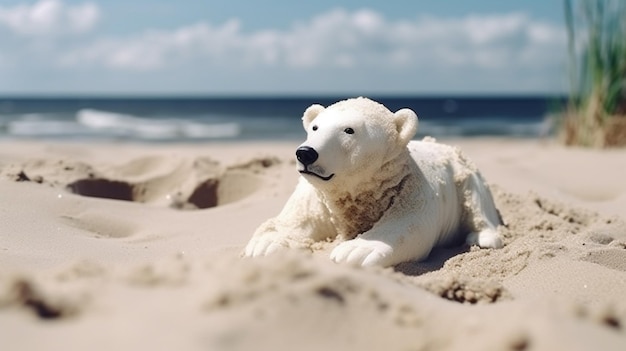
pixel 386 198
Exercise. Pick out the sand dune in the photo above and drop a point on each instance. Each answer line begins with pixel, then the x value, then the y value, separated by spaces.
pixel 130 246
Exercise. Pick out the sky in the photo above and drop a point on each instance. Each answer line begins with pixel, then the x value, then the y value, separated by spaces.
pixel 235 47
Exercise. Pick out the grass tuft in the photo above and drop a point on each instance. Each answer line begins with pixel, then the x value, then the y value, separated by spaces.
pixel 596 113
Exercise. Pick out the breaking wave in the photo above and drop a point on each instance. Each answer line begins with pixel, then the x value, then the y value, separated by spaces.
pixel 89 123
pixel 153 129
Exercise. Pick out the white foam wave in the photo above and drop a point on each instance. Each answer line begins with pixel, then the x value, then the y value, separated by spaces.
pixel 34 128
pixel 132 126
pixel 37 124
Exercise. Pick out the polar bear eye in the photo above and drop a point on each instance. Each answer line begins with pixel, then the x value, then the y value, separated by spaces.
pixel 314 128
pixel 349 131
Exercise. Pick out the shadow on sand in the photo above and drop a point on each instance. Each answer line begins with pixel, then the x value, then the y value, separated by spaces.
pixel 435 261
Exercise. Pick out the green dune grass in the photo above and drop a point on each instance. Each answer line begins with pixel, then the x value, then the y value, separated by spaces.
pixel 596 115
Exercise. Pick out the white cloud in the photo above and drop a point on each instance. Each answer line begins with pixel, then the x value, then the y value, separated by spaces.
pixel 48 17
pixel 158 49
pixel 338 49
pixel 338 39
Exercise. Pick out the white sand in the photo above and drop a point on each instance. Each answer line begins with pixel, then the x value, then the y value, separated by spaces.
pixel 80 272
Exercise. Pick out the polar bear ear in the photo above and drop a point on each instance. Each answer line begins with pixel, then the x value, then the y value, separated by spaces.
pixel 310 114
pixel 406 125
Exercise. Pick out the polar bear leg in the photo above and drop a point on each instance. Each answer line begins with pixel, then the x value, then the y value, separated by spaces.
pixel 363 252
pixel 262 246
pixel 482 217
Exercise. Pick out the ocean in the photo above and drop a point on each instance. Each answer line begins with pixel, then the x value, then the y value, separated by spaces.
pixel 202 119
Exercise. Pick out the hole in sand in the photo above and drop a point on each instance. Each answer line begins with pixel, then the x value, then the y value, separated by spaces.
pixel 205 194
pixel 330 293
pixel 43 306
pixel 232 186
pixel 102 188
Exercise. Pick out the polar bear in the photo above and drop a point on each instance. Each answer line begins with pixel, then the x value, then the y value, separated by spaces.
pixel 387 199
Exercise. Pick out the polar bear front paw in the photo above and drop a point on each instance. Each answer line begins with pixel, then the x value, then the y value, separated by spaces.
pixel 486 239
pixel 362 252
pixel 263 246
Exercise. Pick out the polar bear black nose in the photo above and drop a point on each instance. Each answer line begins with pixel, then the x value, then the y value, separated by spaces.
pixel 306 155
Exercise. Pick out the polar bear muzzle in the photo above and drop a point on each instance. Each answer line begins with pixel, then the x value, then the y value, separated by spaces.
pixel 307 155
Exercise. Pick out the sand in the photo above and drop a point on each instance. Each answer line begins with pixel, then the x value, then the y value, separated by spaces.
pixel 129 246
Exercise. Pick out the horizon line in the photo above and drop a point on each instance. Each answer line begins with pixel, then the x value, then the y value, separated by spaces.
pixel 209 96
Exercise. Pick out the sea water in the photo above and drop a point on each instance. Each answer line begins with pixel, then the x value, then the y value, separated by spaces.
pixel 187 119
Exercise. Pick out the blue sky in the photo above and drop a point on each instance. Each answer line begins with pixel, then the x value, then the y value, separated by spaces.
pixel 281 47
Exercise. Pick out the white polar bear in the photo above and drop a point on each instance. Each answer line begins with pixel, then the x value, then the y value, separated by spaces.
pixel 388 198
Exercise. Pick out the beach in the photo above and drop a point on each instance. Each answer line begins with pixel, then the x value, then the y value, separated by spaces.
pixel 129 245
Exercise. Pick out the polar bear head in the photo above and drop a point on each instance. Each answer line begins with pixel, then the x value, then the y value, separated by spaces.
pixel 351 138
